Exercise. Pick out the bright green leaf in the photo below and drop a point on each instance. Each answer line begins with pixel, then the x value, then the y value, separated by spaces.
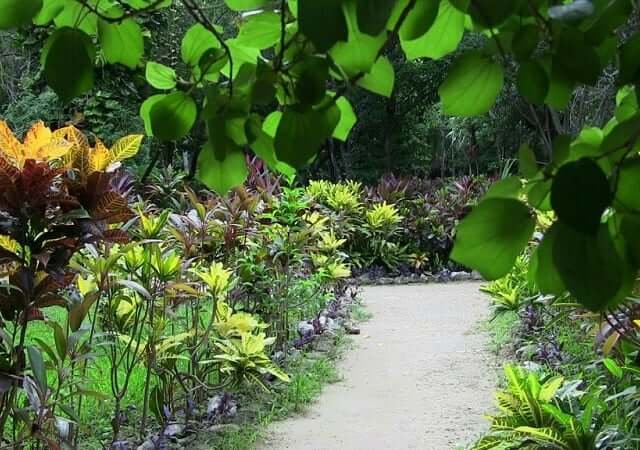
pixel 419 20
pixel 121 42
pixel 221 175
pixel 173 116
pixel 348 120
pixel 492 236
pixel 472 86
pixel 381 79
pixel 196 41
pixel 442 38
pixel 260 30
pixel 160 76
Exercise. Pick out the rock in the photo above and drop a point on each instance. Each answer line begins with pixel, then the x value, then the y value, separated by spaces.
pixel 475 275
pixel 460 276
pixel 384 280
pixel 147 445
pixel 351 329
pixel 222 405
pixel 173 429
pixel 305 329
pixel 333 325
pixel 224 428
pixel 323 345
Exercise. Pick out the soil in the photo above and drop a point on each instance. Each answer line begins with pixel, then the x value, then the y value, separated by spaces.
pixel 418 377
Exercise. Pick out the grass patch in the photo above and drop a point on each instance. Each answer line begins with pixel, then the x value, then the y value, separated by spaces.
pixel 360 313
pixel 501 329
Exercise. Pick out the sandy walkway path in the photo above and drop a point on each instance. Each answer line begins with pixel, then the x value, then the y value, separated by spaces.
pixel 418 377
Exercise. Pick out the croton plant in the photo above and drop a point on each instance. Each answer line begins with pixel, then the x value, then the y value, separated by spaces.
pixel 55 196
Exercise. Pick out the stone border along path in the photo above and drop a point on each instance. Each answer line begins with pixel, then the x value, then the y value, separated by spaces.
pixel 418 377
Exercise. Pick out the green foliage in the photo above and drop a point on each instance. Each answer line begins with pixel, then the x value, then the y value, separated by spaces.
pixel 510 292
pixel 220 74
pixel 590 255
pixel 532 414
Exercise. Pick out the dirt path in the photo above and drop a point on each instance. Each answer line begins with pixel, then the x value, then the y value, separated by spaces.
pixel 418 377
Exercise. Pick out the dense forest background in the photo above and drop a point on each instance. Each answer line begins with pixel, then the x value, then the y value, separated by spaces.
pixel 405 134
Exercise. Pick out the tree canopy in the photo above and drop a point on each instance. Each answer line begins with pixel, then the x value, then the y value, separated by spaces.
pixel 276 83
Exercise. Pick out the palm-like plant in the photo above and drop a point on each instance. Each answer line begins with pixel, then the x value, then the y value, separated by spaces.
pixel 532 416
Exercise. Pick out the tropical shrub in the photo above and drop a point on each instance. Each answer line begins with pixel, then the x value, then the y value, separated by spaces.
pixel 534 414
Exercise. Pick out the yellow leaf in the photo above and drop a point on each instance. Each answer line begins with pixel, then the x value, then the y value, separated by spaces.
pixel 611 341
pixel 126 147
pixel 40 144
pixel 637 322
pixel 9 244
pixel 99 158
pixel 9 144
pixel 78 141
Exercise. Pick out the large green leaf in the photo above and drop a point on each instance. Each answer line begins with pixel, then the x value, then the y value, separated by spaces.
pixel 311 85
pixel 173 116
pixel 263 147
pixel 222 175
pixel 76 15
pixel 575 59
pixel 121 42
pixel 472 85
pixel 580 194
pixel 301 133
pixel 528 161
pixel 630 61
pixel 196 41
pixel 240 54
pixel 68 58
pixel 323 22
pixel 359 52
pixel 160 76
pixel 373 15
pixel 348 120
pixel 420 19
pixel 245 5
pixel 380 79
pixel 442 38
pixel 589 265
pixel 260 30
pixel 145 110
pixel 50 9
pixel 491 13
pixel 492 236
pixel 533 82
pixel 525 41
pixel 542 270
pixel 15 13
pixel 627 194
